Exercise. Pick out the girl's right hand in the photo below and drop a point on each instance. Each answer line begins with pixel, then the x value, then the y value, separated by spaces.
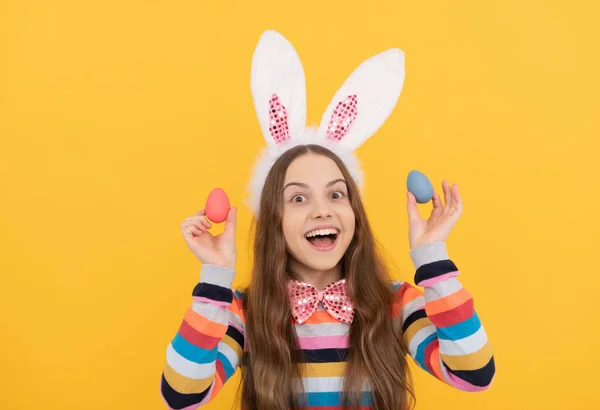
pixel 214 250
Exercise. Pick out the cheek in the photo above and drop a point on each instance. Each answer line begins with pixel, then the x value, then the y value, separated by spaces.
pixel 348 219
pixel 291 225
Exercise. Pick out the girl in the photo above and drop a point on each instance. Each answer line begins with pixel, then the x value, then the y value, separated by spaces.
pixel 321 325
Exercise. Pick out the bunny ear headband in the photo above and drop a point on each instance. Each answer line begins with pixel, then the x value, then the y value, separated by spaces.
pixel 358 109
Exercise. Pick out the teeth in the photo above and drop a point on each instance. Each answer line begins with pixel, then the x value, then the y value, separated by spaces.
pixel 321 232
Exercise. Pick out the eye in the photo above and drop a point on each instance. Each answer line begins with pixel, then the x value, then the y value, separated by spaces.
pixel 298 198
pixel 338 195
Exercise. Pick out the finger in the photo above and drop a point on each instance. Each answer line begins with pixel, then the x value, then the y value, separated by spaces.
pixel 192 231
pixel 458 205
pixel 202 219
pixel 200 226
pixel 197 225
pixel 438 207
pixel 201 212
pixel 452 198
pixel 196 231
pixel 411 207
pixel 195 218
pixel 447 197
pixel 230 221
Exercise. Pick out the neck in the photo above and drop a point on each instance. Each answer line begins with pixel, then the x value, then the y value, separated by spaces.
pixel 317 278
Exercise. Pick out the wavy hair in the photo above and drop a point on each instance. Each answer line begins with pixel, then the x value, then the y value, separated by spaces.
pixel 272 363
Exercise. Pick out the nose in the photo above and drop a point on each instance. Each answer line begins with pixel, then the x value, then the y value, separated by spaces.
pixel 321 210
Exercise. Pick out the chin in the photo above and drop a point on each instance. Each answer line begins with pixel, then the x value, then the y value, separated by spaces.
pixel 323 266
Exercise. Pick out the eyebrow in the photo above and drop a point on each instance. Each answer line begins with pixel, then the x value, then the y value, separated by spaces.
pixel 302 185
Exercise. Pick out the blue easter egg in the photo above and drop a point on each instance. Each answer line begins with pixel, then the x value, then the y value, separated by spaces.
pixel 419 185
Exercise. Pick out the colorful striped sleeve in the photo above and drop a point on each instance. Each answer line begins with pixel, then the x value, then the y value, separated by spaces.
pixel 208 346
pixel 441 328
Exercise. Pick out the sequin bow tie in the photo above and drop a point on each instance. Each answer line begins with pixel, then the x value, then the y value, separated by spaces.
pixel 304 300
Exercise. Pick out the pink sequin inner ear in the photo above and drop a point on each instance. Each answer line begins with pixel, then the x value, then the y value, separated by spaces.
pixel 278 120
pixel 342 118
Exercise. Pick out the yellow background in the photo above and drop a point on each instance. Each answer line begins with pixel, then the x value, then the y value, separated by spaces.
pixel 118 117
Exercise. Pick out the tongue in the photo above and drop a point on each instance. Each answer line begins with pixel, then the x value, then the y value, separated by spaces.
pixel 321 241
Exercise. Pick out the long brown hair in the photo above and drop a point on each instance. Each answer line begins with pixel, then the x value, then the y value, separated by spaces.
pixel 272 363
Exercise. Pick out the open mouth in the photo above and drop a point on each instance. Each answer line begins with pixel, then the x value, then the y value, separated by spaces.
pixel 322 239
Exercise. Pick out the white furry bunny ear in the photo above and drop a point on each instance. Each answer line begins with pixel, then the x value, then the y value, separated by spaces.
pixel 365 100
pixel 278 88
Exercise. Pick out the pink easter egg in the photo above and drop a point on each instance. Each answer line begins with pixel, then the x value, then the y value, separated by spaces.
pixel 217 205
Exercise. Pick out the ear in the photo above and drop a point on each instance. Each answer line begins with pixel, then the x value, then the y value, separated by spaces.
pixel 365 100
pixel 278 88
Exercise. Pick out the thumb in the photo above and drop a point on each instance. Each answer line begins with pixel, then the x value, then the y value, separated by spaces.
pixel 411 207
pixel 230 222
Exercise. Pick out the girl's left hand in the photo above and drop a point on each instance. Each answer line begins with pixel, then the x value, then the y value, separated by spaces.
pixel 442 219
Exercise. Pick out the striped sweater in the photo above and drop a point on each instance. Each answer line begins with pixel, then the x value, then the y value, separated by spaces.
pixel 439 324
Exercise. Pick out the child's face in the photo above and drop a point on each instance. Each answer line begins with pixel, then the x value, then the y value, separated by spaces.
pixel 318 221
